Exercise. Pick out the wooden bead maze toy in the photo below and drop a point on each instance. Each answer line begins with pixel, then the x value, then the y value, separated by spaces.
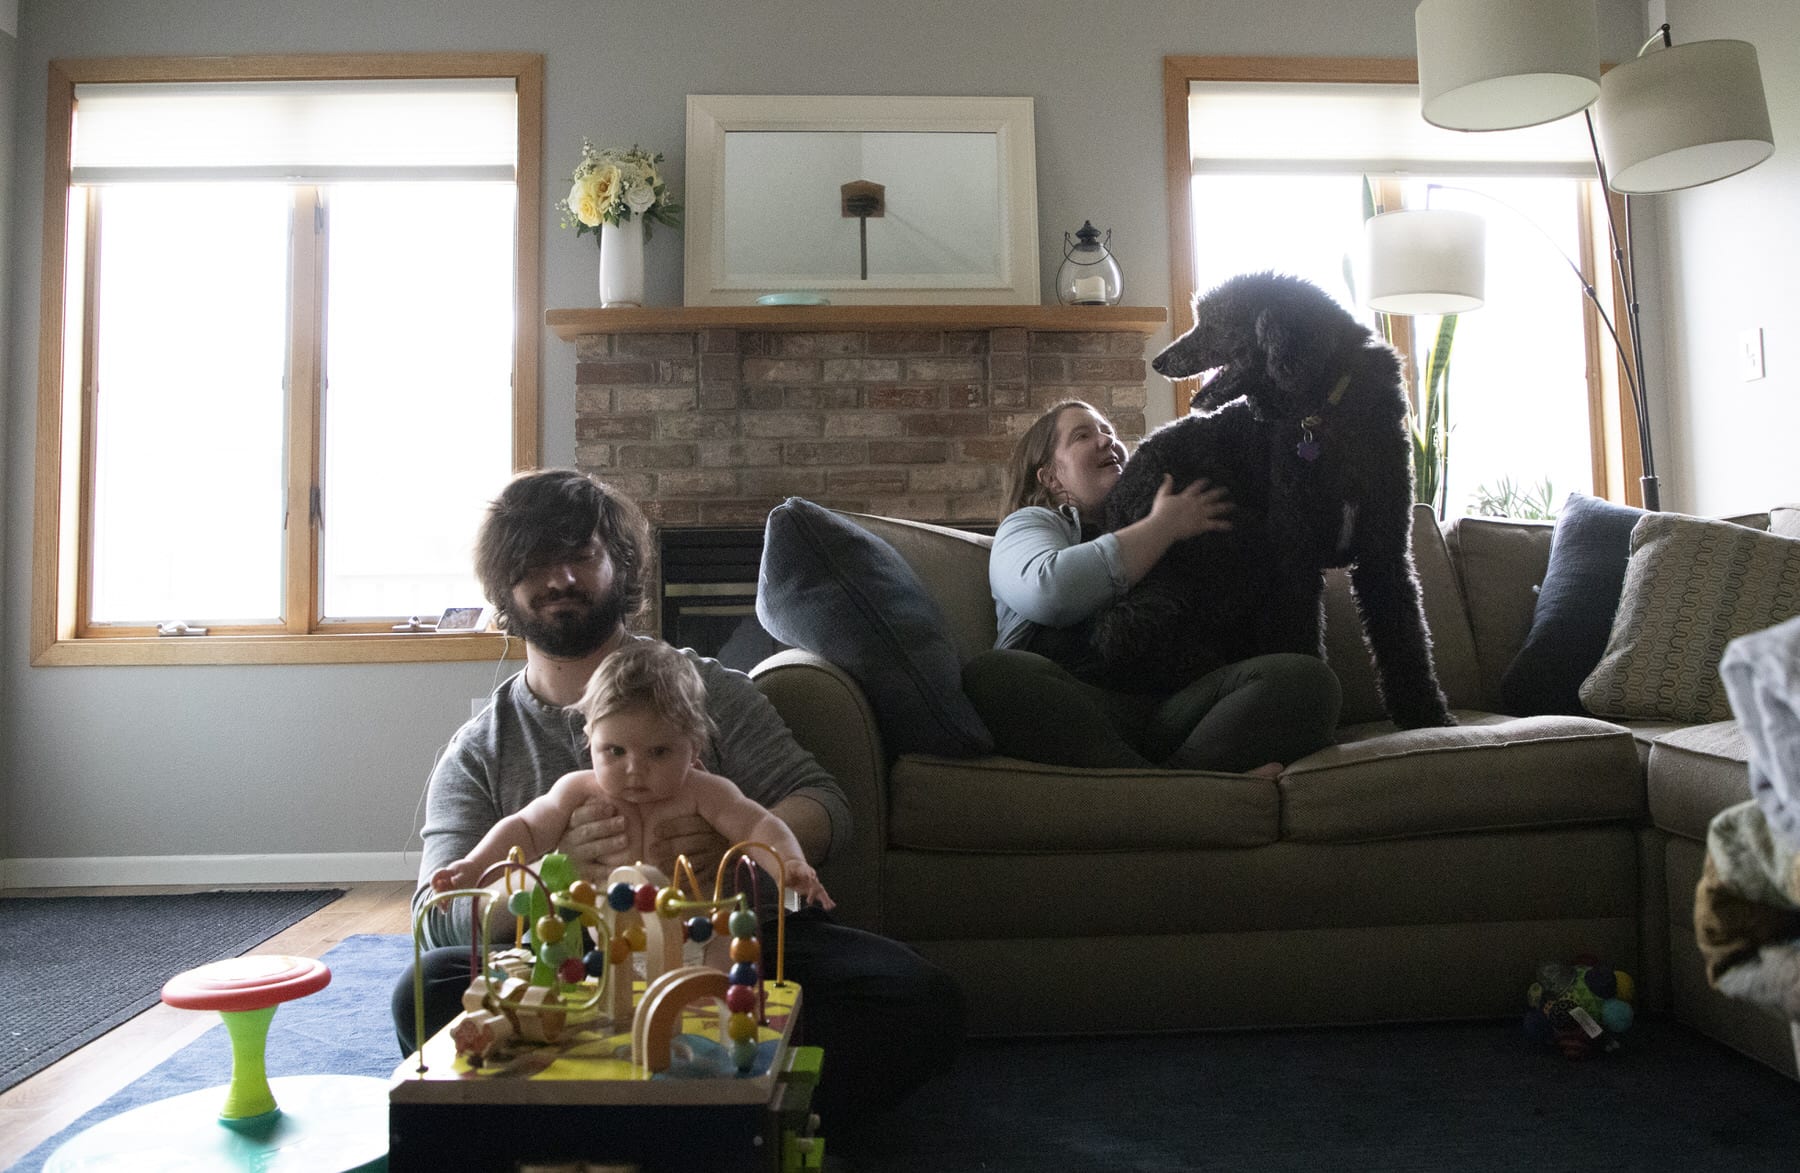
pixel 563 1052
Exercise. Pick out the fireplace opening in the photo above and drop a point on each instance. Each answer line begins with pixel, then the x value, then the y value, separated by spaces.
pixel 709 594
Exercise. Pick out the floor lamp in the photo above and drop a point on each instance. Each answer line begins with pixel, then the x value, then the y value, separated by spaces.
pixel 1676 116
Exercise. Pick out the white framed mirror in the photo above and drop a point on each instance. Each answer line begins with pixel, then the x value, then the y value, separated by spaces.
pixel 942 207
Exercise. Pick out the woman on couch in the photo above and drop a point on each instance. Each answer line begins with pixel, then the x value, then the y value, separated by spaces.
pixel 1051 573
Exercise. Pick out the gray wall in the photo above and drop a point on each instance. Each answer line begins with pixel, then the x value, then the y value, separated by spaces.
pixel 327 764
pixel 1733 252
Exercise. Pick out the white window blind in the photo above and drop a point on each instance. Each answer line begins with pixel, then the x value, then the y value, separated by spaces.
pixel 296 131
pixel 1271 128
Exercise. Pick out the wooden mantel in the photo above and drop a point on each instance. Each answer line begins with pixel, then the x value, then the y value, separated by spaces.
pixel 572 324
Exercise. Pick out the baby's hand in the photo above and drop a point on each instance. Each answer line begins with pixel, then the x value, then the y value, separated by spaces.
pixel 802 879
pixel 444 879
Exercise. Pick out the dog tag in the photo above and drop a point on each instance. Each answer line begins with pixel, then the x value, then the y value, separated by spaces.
pixel 1307 449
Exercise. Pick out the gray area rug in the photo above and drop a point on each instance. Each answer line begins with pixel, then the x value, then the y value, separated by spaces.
pixel 74 967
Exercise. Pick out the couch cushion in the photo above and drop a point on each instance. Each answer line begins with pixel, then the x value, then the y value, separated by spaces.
pixel 1487 773
pixel 1588 551
pixel 1452 643
pixel 1784 521
pixel 999 804
pixel 836 590
pixel 1691 587
pixel 1695 772
pixel 1501 561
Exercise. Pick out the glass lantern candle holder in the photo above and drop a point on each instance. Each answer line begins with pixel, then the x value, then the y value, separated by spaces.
pixel 1089 274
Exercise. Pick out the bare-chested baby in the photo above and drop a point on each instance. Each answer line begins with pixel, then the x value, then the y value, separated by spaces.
pixel 647 727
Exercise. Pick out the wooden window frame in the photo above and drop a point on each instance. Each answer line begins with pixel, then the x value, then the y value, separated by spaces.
pixel 61 521
pixel 1612 416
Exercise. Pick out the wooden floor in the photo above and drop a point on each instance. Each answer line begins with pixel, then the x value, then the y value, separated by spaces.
pixel 42 1106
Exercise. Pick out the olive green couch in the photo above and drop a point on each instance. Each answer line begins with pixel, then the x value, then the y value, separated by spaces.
pixel 1396 875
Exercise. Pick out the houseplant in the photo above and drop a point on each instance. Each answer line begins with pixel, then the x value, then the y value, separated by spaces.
pixel 617 195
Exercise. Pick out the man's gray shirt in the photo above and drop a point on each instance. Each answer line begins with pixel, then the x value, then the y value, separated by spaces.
pixel 516 748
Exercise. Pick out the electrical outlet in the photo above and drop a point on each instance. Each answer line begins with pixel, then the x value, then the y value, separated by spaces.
pixel 1750 355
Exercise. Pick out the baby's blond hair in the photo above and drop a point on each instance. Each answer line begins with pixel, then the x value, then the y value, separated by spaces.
pixel 650 674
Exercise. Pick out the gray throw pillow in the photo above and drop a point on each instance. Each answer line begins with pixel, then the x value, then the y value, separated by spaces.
pixel 1574 614
pixel 832 588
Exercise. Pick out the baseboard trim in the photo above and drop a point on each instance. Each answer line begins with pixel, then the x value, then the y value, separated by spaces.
pixel 297 868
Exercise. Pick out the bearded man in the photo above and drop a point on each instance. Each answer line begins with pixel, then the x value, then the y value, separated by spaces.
pixel 561 556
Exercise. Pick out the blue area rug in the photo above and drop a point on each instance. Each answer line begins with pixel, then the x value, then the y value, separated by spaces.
pixel 344 1029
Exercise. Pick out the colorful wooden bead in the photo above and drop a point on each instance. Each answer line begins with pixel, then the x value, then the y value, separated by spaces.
pixel 699 930
pixel 741 1027
pixel 549 929
pixel 741 999
pixel 644 899
pixel 744 974
pixel 582 892
pixel 621 896
pixel 572 970
pixel 594 964
pixel 746 949
pixel 519 904
pixel 743 1055
pixel 635 935
pixel 743 923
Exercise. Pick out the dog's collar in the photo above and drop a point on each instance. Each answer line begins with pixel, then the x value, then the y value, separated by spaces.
pixel 1308 449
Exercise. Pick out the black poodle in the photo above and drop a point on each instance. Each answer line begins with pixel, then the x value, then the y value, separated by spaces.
pixel 1304 422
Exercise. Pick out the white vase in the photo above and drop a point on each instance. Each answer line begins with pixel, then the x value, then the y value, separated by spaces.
pixel 622 263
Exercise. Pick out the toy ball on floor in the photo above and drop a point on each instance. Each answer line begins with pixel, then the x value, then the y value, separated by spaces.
pixel 1579 1008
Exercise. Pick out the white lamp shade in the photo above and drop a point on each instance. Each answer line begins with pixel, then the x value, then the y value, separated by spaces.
pixel 1683 116
pixel 1503 64
pixel 1426 261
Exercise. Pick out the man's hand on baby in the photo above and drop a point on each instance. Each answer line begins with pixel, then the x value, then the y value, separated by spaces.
pixel 689 835
pixel 595 840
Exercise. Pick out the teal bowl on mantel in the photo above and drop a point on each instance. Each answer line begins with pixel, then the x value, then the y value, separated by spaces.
pixel 793 297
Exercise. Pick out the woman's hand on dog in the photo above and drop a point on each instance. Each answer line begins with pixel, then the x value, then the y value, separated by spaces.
pixel 1198 508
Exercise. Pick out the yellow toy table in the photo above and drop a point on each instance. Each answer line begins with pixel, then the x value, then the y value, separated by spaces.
pixel 583 1099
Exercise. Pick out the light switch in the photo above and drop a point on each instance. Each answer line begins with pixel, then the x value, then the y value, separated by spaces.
pixel 1750 355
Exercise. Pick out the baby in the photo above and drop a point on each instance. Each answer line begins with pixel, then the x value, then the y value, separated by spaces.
pixel 647 726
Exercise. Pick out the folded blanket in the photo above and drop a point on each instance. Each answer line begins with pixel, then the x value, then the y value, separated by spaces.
pixel 1762 678
pixel 1747 910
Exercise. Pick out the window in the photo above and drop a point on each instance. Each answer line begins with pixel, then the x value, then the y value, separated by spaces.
pixel 1276 152
pixel 296 352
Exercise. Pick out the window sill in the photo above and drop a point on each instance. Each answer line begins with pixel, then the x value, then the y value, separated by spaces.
pixel 376 648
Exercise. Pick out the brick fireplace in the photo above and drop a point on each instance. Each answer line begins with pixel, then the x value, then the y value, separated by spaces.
pixel 711 416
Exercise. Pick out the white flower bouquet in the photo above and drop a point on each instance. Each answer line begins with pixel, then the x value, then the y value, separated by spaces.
pixel 613 185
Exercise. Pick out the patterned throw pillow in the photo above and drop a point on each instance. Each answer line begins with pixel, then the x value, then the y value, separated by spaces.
pixel 1692 587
